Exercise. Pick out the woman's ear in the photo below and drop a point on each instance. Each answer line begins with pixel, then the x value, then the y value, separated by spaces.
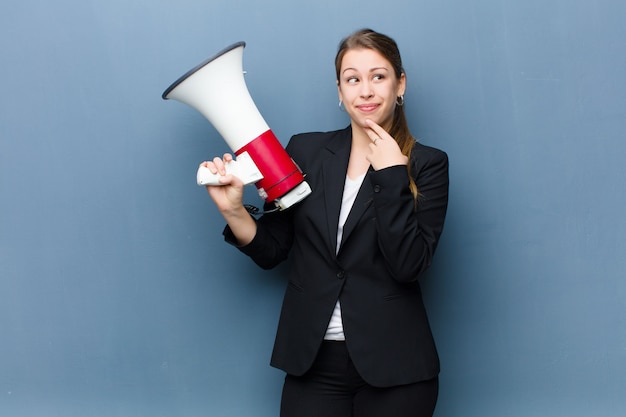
pixel 401 85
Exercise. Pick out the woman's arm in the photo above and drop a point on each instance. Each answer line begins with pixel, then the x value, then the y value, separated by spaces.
pixel 409 233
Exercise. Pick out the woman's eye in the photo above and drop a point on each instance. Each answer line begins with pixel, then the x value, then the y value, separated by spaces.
pixel 352 80
pixel 378 77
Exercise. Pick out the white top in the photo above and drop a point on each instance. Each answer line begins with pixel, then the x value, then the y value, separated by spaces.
pixel 350 190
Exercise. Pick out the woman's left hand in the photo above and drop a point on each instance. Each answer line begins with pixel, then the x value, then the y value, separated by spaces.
pixel 384 150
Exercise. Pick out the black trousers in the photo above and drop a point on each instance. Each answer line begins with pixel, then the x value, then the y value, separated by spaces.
pixel 333 388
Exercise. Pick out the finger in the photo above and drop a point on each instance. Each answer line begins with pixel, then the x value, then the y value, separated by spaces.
pixel 219 166
pixel 231 181
pixel 209 165
pixel 376 129
pixel 372 135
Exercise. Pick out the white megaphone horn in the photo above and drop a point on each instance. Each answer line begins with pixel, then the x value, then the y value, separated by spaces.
pixel 217 89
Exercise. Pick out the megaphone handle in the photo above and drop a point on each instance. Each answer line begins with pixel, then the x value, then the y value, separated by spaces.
pixel 243 167
pixel 206 177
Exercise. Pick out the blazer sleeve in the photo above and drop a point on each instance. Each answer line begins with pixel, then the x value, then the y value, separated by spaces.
pixel 408 233
pixel 272 242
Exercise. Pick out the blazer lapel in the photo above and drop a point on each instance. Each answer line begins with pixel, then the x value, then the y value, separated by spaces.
pixel 334 170
pixel 362 202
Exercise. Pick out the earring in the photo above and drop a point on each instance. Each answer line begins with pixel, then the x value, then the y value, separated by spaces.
pixel 343 109
pixel 400 100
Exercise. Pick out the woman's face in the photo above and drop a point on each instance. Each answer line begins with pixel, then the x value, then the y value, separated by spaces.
pixel 368 87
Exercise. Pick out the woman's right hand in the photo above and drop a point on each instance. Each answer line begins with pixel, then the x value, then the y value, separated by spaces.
pixel 228 196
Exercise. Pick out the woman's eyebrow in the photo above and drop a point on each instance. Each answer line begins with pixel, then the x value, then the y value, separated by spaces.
pixel 371 69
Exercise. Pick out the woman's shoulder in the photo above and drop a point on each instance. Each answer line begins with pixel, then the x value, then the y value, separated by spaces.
pixel 425 157
pixel 429 150
pixel 428 153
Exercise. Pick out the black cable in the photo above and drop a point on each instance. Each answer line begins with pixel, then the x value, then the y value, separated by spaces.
pixel 255 211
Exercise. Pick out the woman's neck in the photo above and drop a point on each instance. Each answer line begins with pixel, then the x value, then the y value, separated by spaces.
pixel 358 163
pixel 360 139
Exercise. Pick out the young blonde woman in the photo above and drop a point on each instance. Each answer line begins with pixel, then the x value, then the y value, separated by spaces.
pixel 353 336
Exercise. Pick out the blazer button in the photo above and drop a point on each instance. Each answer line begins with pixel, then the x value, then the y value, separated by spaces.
pixel 377 188
pixel 341 274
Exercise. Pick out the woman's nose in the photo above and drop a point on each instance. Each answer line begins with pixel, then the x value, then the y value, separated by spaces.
pixel 366 89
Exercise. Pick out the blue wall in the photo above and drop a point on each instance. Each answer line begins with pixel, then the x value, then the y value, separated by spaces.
pixel 118 296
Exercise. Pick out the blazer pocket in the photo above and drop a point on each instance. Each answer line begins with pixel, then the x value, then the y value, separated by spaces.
pixel 295 286
pixel 392 297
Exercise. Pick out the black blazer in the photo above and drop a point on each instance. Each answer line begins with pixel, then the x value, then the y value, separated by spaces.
pixel 386 246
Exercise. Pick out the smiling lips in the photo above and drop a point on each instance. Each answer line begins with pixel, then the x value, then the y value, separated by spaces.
pixel 367 108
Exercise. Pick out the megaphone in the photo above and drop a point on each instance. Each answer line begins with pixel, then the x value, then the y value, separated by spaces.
pixel 216 88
